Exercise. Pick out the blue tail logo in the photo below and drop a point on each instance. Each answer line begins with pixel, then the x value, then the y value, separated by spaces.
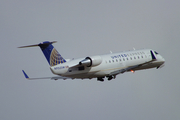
pixel 56 58
pixel 51 54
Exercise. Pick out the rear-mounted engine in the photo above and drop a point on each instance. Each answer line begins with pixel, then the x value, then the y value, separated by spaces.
pixel 91 61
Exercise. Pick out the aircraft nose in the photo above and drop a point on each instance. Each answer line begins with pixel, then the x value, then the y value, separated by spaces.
pixel 163 60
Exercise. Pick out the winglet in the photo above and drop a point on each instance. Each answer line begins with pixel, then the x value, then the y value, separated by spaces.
pixel 26 76
pixel 153 57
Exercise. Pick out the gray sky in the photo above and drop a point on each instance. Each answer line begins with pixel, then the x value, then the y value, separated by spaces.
pixel 85 28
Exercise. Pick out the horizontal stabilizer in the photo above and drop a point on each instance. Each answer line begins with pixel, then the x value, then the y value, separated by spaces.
pixel 29 46
pixel 44 43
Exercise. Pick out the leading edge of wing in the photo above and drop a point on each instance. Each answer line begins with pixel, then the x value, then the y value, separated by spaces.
pixel 52 78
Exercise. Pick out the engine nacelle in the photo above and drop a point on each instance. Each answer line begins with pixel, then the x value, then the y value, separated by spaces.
pixel 91 61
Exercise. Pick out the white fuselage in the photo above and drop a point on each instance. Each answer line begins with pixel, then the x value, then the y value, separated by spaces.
pixel 110 64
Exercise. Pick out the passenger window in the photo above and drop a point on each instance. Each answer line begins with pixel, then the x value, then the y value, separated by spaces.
pixel 123 59
pixel 109 61
pixel 134 57
pixel 127 58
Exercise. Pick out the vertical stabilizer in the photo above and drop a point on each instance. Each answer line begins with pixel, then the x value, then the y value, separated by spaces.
pixel 51 54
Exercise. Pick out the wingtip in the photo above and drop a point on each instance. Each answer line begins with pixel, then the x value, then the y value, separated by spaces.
pixel 26 76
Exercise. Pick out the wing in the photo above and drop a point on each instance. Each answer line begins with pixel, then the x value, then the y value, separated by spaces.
pixel 52 78
pixel 130 68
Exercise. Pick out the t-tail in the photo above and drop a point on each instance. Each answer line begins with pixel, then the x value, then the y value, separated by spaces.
pixel 51 54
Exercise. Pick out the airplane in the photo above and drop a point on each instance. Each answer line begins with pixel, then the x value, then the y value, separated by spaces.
pixel 98 66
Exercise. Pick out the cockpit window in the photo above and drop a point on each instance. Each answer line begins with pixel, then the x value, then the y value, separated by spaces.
pixel 155 52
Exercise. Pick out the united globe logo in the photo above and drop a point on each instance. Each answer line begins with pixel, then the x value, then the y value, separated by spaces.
pixel 55 58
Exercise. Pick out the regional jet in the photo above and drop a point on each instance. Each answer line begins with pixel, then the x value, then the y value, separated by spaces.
pixel 98 66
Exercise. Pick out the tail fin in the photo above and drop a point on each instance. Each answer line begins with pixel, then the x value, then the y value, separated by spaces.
pixel 51 54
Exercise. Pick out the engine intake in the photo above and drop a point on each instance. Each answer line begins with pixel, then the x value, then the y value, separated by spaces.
pixel 91 61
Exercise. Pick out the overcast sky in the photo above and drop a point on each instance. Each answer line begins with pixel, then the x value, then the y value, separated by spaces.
pixel 85 28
